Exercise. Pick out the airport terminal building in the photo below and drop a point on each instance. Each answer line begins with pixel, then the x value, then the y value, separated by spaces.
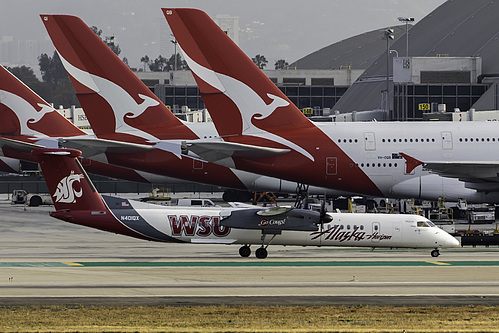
pixel 451 66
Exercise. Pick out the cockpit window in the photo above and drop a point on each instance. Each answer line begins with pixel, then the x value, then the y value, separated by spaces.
pixel 425 224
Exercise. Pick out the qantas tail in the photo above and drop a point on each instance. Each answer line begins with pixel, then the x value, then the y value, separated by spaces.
pixel 68 183
pixel 241 99
pixel 23 112
pixel 114 99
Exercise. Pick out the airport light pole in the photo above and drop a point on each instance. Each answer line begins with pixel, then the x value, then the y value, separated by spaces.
pixel 406 20
pixel 387 35
pixel 174 41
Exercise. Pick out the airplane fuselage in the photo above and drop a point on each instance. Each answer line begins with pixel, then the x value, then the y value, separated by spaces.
pixel 368 159
pixel 376 148
pixel 205 225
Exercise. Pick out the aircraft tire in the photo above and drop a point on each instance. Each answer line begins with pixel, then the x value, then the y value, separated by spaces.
pixel 435 253
pixel 244 251
pixel 261 253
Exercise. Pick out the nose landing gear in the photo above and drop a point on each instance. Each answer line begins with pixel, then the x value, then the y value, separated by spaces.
pixel 435 253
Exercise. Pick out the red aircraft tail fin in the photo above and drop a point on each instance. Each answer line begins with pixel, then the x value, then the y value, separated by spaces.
pixel 115 100
pixel 241 99
pixel 23 112
pixel 68 183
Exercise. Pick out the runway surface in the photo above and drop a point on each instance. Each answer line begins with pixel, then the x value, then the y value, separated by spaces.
pixel 47 261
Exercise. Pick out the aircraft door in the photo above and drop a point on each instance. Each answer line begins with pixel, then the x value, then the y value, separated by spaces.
pixel 375 232
pixel 370 141
pixel 446 140
pixel 331 166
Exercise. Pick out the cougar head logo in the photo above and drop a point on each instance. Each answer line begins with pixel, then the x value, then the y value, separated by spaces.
pixel 65 193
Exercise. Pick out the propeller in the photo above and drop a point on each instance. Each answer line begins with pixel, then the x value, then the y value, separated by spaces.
pixel 323 216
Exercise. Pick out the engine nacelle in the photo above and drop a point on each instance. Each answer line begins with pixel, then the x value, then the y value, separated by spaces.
pixel 273 220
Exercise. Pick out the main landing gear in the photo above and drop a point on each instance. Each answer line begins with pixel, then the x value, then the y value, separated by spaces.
pixel 435 253
pixel 244 251
pixel 260 253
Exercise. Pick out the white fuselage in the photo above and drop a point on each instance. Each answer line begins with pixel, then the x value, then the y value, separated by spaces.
pixel 202 225
pixel 375 148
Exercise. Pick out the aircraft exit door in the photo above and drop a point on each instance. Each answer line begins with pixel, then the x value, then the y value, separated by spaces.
pixel 370 141
pixel 446 140
pixel 376 232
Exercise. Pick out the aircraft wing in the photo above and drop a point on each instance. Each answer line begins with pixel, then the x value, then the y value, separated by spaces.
pixel 478 175
pixel 17 145
pixel 481 176
pixel 213 151
pixel 94 146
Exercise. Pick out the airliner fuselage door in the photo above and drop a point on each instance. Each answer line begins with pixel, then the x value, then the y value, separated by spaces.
pixel 370 141
pixel 447 140
pixel 376 232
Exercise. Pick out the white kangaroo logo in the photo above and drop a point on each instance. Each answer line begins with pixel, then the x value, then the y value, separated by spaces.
pixel 65 192
pixel 266 110
pixel 248 102
pixel 123 105
pixel 24 111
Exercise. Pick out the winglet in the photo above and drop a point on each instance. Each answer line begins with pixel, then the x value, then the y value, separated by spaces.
pixel 411 162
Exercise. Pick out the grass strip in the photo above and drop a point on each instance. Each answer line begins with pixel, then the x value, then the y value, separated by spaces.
pixel 249 319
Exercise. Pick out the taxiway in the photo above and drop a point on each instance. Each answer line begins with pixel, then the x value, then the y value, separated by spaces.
pixel 47 261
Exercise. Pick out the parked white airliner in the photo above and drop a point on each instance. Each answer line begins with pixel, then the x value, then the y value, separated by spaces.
pixel 393 159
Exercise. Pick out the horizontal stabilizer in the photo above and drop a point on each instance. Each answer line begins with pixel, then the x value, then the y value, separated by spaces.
pixel 93 146
pixel 20 146
pixel 213 151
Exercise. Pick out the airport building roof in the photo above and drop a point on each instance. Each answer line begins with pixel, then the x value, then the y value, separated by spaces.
pixel 358 52
pixel 457 28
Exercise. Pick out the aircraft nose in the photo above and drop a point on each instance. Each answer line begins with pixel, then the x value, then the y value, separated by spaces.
pixel 450 241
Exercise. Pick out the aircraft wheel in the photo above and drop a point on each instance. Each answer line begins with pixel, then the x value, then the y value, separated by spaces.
pixel 435 253
pixel 261 253
pixel 244 251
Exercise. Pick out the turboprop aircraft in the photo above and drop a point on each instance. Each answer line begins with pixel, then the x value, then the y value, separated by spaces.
pixel 124 114
pixel 77 201
pixel 423 160
pixel 27 121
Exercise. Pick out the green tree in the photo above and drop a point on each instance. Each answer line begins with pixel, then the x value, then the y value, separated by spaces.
pixel 97 31
pixel 159 64
pixel 260 61
pixel 109 40
pixel 56 87
pixel 181 64
pixel 146 61
pixel 26 75
pixel 110 43
pixel 281 64
pixel 51 68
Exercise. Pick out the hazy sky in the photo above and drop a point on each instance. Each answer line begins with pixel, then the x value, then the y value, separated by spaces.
pixel 278 29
